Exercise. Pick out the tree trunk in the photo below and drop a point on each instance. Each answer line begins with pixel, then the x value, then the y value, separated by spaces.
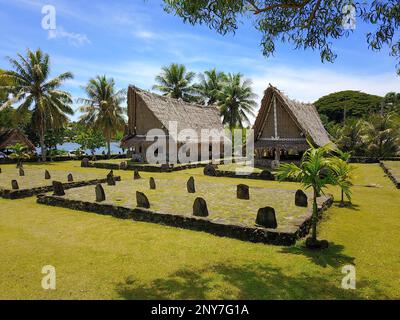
pixel 108 148
pixel 314 216
pixel 42 144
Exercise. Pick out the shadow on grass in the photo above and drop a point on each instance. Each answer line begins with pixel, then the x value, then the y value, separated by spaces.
pixel 347 205
pixel 333 256
pixel 251 281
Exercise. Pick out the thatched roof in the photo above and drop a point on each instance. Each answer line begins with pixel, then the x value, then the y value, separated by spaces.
pixel 187 115
pixel 9 137
pixel 305 115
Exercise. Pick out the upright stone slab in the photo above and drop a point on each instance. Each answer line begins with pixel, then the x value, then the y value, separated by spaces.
pixel 266 217
pixel 110 178
pixel 14 184
pixel 47 175
pixel 85 163
pixel 58 189
pixel 70 177
pixel 21 172
pixel 142 201
pixel 100 194
pixel 209 170
pixel 242 192
pixel 136 175
pixel 200 208
pixel 152 184
pixel 0 170
pixel 190 185
pixel 267 175
pixel 300 199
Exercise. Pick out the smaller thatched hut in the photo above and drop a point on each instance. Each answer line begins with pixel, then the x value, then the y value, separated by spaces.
pixel 284 125
pixel 9 137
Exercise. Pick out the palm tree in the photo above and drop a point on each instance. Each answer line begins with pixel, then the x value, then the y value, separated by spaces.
pixel 352 136
pixel 19 152
pixel 383 135
pixel 343 171
pixel 33 91
pixel 316 171
pixel 211 83
pixel 102 109
pixel 236 101
pixel 175 81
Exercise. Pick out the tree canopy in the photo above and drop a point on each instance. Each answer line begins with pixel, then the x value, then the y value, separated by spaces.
pixel 307 24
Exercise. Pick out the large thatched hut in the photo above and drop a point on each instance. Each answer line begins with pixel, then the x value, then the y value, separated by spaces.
pixel 9 137
pixel 283 126
pixel 147 111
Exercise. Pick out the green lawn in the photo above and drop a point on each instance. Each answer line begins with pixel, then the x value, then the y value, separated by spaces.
pixel 100 257
pixel 394 166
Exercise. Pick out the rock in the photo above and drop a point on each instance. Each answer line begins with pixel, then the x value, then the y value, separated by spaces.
pixel 152 184
pixel 266 218
pixel 100 194
pixel 267 175
pixel 200 208
pixel 142 201
pixel 242 192
pixel 58 189
pixel 14 184
pixel 110 178
pixel 70 178
pixel 136 175
pixel 85 163
pixel 47 175
pixel 123 165
pixel 190 185
pixel 21 172
pixel 209 170
pixel 300 199
pixel 0 170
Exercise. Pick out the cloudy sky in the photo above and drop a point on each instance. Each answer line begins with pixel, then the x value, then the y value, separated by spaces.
pixel 130 40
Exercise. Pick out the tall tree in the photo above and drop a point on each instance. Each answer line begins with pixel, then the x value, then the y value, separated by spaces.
pixel 175 82
pixel 32 90
pixel 102 108
pixel 236 101
pixel 211 83
pixel 304 23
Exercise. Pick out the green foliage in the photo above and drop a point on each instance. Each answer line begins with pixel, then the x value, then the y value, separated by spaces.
pixel 102 110
pixel 19 152
pixel 343 172
pixel 346 104
pixel 176 82
pixel 90 139
pixel 236 101
pixel 307 24
pixel 210 86
pixel 33 91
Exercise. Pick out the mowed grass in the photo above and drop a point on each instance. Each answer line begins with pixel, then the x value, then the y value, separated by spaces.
pixel 100 257
pixel 394 166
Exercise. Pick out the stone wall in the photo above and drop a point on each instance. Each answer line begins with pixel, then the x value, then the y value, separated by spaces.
pixel 145 168
pixel 392 176
pixel 252 234
pixel 24 193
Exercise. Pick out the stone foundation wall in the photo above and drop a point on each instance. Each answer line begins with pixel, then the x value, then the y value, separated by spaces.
pixel 144 168
pixel 391 175
pixel 24 193
pixel 252 234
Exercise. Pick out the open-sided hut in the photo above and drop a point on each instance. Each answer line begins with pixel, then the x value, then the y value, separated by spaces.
pixel 147 111
pixel 284 125
pixel 9 137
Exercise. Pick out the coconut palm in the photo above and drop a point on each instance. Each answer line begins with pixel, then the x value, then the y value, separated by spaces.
pixel 316 171
pixel 102 109
pixel 211 83
pixel 236 101
pixel 383 135
pixel 33 91
pixel 352 136
pixel 19 152
pixel 175 82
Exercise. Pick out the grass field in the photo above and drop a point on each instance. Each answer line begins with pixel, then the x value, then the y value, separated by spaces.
pixel 394 166
pixel 100 257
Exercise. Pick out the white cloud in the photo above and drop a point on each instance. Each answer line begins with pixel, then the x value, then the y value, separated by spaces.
pixel 75 39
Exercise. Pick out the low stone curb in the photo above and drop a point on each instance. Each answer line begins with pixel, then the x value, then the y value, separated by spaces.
pixel 252 234
pixel 132 167
pixel 233 174
pixel 24 193
pixel 389 172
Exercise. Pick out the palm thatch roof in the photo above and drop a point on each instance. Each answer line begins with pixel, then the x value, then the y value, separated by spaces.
pixel 187 115
pixel 304 115
pixel 9 137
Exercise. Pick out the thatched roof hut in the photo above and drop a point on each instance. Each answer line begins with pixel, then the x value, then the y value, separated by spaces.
pixel 148 111
pixel 9 137
pixel 285 124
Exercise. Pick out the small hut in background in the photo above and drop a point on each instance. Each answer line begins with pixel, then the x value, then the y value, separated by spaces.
pixel 9 137
pixel 148 111
pixel 283 127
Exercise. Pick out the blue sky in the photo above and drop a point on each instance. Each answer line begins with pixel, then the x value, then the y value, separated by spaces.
pixel 130 40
